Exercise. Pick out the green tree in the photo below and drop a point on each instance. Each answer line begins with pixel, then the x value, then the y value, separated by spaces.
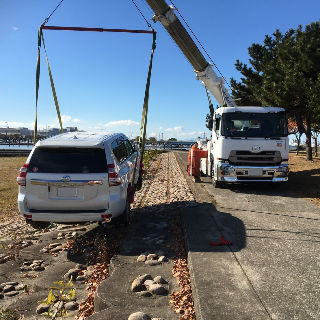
pixel 284 71
pixel 152 140
pixel 172 139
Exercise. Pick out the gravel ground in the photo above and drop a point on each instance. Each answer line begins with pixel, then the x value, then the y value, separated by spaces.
pixel 164 188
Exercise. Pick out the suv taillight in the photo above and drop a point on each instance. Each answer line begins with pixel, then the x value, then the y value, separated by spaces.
pixel 21 179
pixel 113 177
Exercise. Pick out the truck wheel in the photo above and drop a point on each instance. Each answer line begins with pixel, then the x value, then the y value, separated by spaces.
pixel 211 170
pixel 217 184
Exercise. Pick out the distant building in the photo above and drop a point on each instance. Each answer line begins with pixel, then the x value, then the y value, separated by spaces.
pixel 11 131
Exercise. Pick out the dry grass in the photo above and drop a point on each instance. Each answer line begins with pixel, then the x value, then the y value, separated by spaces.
pixel 304 179
pixel 9 168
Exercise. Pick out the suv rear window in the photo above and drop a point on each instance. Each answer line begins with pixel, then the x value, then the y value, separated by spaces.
pixel 68 160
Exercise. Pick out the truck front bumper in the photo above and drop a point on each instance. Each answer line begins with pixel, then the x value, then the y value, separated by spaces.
pixel 231 173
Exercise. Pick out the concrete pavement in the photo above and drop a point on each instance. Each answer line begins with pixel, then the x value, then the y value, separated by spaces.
pixel 271 270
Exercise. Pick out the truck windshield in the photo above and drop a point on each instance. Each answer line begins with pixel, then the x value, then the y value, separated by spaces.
pixel 261 125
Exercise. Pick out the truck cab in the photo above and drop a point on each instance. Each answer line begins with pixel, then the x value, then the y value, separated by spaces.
pixel 248 144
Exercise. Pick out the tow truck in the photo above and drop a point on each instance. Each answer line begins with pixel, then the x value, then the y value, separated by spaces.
pixel 248 144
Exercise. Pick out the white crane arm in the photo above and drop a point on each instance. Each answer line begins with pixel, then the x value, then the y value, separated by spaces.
pixel 204 71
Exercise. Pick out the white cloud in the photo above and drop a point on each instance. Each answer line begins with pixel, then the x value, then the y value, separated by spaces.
pixel 14 28
pixel 16 124
pixel 121 123
pixel 66 118
pixel 153 134
pixel 175 129
pixel 76 120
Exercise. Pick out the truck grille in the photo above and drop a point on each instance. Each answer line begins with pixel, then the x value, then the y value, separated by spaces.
pixel 247 158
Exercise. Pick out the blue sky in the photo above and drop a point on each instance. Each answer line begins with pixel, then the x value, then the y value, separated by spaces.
pixel 100 77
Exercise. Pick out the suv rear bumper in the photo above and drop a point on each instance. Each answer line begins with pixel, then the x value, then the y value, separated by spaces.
pixel 116 207
pixel 233 173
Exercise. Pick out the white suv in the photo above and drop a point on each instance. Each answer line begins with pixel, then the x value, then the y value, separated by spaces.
pixel 77 177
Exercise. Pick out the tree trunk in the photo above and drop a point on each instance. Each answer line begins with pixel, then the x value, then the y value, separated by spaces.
pixel 308 139
pixel 298 136
pixel 316 145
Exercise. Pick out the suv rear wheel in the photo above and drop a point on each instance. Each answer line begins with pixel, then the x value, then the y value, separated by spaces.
pixel 38 224
pixel 125 218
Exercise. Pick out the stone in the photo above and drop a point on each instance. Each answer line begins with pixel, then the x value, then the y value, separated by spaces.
pixel 38 261
pixel 38 268
pixel 152 263
pixel 9 283
pixel 144 277
pixel 1 296
pixel 136 286
pixel 72 305
pixel 20 287
pixel 81 266
pixel 149 282
pixel 152 256
pixel 53 245
pixel 139 316
pixel 158 290
pixel 44 250
pixel 74 234
pixel 80 278
pixel 43 307
pixel 72 273
pixel 58 306
pixel 56 249
pixel 60 234
pixel 8 288
pixel 144 294
pixel 11 293
pixel 163 259
pixel 159 280
pixel 141 258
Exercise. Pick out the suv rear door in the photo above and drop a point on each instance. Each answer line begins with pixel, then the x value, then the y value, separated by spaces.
pixel 127 157
pixel 67 178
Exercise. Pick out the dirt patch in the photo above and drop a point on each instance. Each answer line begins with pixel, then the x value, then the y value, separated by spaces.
pixel 9 170
pixel 304 178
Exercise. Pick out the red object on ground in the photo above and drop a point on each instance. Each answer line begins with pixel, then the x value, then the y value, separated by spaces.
pixel 194 157
pixel 223 242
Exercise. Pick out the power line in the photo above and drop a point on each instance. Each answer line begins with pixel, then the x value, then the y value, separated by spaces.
pixel 211 60
pixel 47 19
pixel 144 18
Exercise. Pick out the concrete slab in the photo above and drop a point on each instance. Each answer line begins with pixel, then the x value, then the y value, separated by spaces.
pixel 271 270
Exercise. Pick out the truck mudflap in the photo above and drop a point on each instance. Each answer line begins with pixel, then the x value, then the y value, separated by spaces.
pixel 231 173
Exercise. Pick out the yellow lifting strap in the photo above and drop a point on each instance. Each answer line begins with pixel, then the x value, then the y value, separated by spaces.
pixel 41 38
pixel 144 116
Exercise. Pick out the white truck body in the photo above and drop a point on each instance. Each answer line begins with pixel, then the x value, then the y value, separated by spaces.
pixel 248 144
pixel 257 149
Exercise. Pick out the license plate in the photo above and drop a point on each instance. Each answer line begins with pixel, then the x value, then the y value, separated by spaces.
pixel 67 192
pixel 255 172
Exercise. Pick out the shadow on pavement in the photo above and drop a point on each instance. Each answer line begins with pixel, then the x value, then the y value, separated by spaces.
pixel 153 229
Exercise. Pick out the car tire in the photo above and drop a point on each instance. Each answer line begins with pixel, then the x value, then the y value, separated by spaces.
pixel 217 184
pixel 139 182
pixel 125 218
pixel 39 224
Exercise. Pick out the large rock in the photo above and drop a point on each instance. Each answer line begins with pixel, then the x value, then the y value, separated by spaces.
pixel 43 307
pixel 158 290
pixel 72 305
pixel 139 316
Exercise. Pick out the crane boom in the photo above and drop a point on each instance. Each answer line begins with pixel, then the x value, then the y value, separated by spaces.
pixel 204 71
